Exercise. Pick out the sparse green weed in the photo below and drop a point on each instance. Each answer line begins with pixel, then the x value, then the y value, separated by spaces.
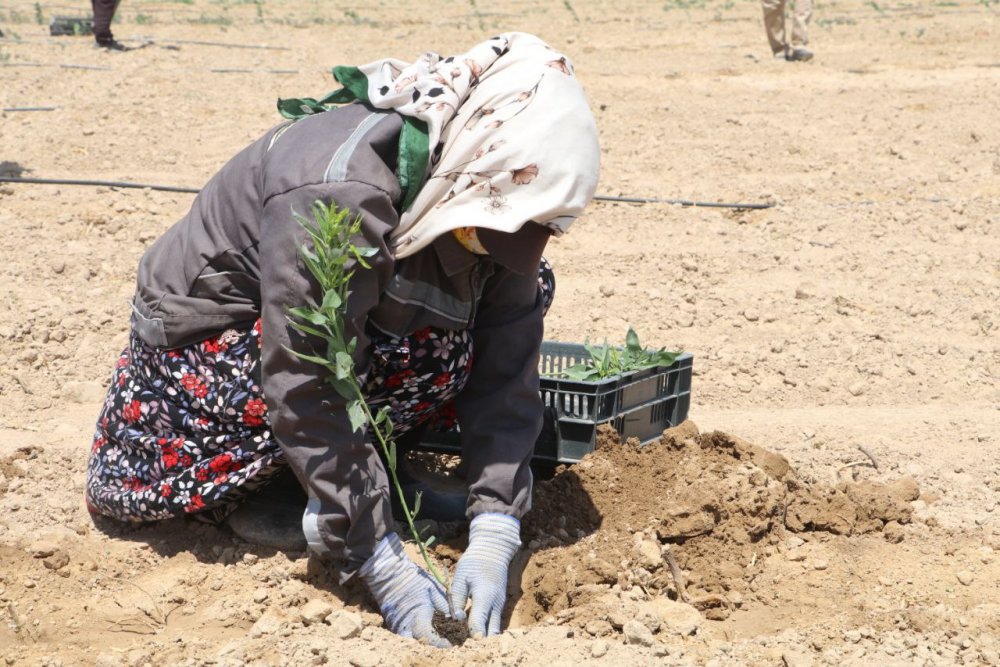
pixel 569 7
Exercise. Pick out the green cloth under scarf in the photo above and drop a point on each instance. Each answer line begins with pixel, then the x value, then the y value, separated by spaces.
pixel 414 148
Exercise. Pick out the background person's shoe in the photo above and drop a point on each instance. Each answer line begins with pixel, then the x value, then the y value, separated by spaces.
pixel 112 45
pixel 799 54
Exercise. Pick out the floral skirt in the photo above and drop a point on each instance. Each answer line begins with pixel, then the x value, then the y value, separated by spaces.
pixel 186 430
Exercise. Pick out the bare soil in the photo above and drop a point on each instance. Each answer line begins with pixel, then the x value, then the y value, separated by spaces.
pixel 837 502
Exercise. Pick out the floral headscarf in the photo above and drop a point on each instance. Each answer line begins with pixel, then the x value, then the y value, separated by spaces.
pixel 495 137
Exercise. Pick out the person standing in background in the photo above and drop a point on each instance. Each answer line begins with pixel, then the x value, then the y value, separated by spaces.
pixel 104 12
pixel 774 25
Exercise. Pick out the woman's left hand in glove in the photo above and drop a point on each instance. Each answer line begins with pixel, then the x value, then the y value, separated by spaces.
pixel 482 572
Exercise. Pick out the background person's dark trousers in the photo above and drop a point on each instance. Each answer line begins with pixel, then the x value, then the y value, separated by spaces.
pixel 104 11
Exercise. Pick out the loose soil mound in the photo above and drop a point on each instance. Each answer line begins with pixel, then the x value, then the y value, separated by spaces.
pixel 686 517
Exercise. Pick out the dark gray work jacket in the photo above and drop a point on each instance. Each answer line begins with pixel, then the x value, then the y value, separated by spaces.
pixel 235 258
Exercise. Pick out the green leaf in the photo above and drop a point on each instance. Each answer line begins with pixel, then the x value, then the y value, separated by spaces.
pixel 429 542
pixel 323 333
pixel 357 416
pixel 391 455
pixel 578 371
pixel 416 503
pixel 308 314
pixel 311 357
pixel 345 365
pixel 632 341
pixel 331 301
pixel 345 388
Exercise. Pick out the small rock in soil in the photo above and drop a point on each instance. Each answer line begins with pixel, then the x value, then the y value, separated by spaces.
pixel 599 628
pixel 315 611
pixel 637 633
pixel 599 649
pixel 893 532
pixel 365 659
pixel 265 625
pixel 796 659
pixel 346 625
pixel 965 577
pixel 675 618
pixel 57 561
pixel 43 549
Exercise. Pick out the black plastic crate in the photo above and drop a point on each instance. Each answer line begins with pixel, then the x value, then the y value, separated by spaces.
pixel 639 404
pixel 71 25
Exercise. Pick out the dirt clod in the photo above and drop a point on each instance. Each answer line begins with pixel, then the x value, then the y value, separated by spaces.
pixel 714 502
pixel 455 631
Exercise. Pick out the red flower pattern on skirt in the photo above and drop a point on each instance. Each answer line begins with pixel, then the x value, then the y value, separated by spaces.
pixel 140 470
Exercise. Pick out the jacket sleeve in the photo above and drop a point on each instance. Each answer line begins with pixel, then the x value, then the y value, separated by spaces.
pixel 348 510
pixel 500 410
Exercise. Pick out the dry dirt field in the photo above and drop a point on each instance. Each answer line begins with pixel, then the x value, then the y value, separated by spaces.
pixel 861 311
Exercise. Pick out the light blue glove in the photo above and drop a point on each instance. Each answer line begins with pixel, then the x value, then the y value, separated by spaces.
pixel 482 572
pixel 407 596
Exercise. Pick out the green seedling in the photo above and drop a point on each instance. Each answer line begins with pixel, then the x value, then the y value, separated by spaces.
pixel 607 361
pixel 332 259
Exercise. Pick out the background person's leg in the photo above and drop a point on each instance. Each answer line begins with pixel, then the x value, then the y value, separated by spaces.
pixel 803 12
pixel 104 12
pixel 774 25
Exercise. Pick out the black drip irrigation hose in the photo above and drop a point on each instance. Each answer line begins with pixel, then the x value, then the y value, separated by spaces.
pixel 681 202
pixel 12 109
pixel 109 184
pixel 216 70
pixel 173 188
pixel 227 45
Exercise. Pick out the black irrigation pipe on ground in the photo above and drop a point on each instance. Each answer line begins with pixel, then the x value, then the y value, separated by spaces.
pixel 214 70
pixel 10 109
pixel 110 184
pixel 228 45
pixel 62 65
pixel 234 70
pixel 173 188
pixel 225 44
pixel 680 202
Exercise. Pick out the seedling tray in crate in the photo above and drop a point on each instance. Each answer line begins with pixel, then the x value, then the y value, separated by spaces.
pixel 638 404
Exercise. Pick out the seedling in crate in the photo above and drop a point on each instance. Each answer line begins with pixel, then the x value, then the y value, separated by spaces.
pixel 607 361
pixel 332 251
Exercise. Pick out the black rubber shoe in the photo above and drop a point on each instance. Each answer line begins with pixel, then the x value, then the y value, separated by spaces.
pixel 112 45
pixel 274 525
pixel 272 516
pixel 799 54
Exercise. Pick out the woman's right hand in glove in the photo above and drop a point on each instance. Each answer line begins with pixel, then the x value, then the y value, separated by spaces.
pixel 407 595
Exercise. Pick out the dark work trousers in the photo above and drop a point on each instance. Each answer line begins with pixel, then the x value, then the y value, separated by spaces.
pixel 104 11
